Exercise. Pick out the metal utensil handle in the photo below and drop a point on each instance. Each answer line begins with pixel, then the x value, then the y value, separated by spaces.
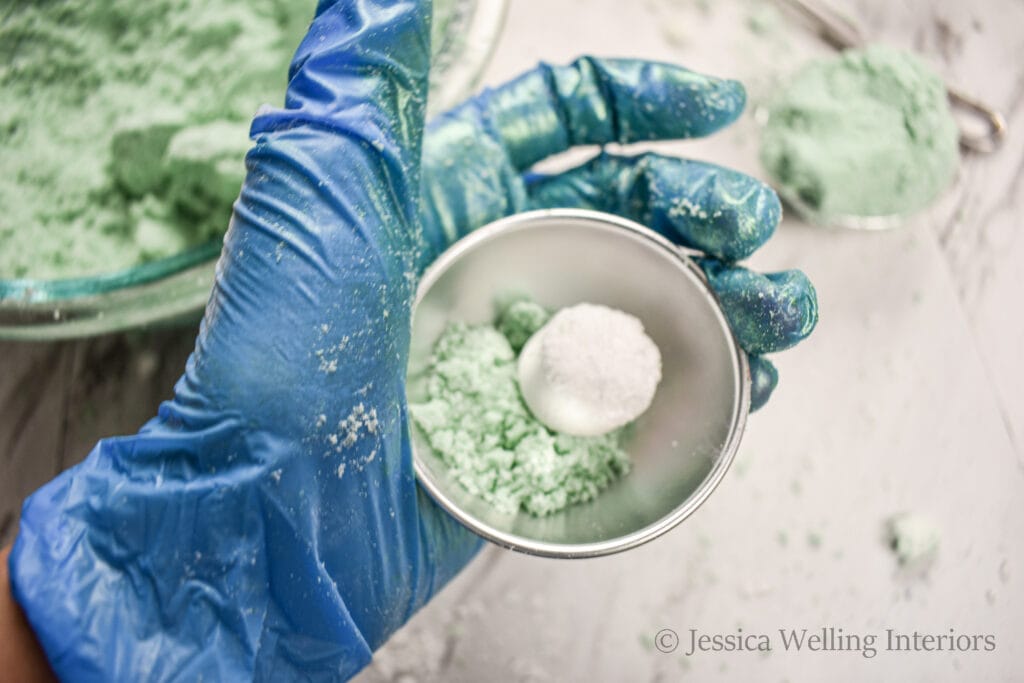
pixel 837 30
pixel 983 143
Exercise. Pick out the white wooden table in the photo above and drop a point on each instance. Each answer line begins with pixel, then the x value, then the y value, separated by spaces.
pixel 907 398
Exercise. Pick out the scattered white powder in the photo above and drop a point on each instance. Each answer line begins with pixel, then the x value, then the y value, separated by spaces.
pixel 360 422
pixel 328 357
pixel 591 369
pixel 349 428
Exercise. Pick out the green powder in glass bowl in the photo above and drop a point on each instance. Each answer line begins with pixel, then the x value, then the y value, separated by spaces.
pixel 124 123
pixel 868 133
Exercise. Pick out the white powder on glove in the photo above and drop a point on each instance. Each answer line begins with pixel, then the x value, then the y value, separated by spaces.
pixel 589 370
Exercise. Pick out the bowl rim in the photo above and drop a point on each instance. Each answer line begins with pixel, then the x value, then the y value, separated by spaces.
pixel 696 498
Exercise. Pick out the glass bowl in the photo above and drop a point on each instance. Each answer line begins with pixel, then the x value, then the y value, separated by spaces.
pixel 175 289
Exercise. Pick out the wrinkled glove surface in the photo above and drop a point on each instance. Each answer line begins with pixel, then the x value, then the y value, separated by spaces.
pixel 266 524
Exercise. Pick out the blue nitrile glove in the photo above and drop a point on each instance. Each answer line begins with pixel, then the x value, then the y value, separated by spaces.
pixel 476 161
pixel 267 523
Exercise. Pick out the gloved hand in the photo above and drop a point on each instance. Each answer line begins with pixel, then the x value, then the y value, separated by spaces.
pixel 267 524
pixel 476 161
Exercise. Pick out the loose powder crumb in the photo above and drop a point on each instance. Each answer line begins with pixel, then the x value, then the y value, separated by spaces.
pixel 913 539
pixel 475 420
pixel 866 133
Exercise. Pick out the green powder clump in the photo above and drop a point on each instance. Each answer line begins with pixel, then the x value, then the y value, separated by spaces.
pixel 913 539
pixel 866 133
pixel 520 320
pixel 476 422
pixel 124 123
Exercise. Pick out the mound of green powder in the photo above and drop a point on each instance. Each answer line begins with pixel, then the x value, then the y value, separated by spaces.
pixel 476 422
pixel 520 320
pixel 866 133
pixel 124 123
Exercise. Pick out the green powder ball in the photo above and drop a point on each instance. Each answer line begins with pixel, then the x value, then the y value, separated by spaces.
pixel 866 133
pixel 475 420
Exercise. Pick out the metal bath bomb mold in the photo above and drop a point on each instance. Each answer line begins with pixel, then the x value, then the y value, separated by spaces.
pixel 681 447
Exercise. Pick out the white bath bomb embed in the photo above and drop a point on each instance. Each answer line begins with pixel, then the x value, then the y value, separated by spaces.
pixel 589 370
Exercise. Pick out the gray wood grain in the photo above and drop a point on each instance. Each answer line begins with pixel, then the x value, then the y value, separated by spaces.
pixel 58 399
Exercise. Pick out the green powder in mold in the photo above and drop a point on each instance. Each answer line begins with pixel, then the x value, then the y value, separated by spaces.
pixel 520 320
pixel 124 123
pixel 865 133
pixel 476 422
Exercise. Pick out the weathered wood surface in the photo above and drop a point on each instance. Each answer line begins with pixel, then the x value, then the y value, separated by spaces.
pixel 58 399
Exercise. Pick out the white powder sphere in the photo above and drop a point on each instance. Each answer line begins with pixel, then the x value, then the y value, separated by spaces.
pixel 589 370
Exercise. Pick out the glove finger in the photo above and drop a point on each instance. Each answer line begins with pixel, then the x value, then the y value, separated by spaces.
pixel 361 71
pixel 474 155
pixel 328 213
pixel 767 312
pixel 722 212
pixel 596 101
pixel 763 380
